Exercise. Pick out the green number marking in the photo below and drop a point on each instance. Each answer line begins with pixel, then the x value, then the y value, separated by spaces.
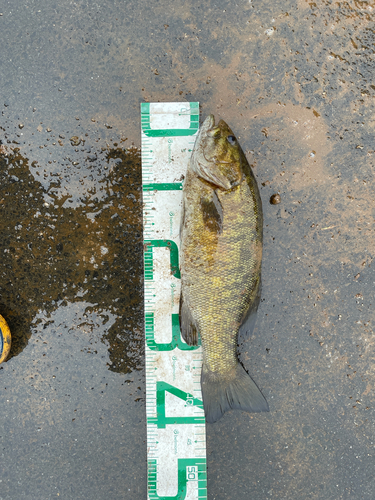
pixel 148 257
pixel 161 420
pixel 176 335
pixel 189 469
pixel 163 186
pixel 174 132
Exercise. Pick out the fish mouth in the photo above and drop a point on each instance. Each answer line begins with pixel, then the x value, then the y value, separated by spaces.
pixel 206 167
pixel 206 131
pixel 209 131
pixel 207 126
pixel 209 122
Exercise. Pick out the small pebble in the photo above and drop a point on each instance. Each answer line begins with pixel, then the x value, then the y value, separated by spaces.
pixel 275 199
pixel 75 140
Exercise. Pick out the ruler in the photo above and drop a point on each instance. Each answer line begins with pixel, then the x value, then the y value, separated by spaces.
pixel 176 430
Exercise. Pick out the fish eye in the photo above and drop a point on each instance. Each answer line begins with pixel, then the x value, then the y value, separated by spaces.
pixel 231 139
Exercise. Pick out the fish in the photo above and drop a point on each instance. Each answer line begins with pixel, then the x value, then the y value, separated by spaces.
pixel 221 242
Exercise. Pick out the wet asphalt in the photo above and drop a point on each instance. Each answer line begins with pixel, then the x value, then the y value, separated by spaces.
pixel 294 80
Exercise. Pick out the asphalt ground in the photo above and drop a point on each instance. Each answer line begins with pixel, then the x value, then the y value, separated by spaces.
pixel 294 80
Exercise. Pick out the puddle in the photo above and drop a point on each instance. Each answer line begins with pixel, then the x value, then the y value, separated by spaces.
pixel 90 250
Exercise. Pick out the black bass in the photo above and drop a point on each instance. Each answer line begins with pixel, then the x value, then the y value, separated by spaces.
pixel 221 256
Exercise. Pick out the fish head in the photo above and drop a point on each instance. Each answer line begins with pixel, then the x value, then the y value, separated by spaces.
pixel 216 157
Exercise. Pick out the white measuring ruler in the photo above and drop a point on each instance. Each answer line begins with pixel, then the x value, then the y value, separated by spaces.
pixel 176 429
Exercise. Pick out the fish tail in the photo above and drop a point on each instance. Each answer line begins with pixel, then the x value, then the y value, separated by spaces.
pixel 235 390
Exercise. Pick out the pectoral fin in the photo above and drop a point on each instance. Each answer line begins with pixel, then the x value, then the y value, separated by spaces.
pixel 212 212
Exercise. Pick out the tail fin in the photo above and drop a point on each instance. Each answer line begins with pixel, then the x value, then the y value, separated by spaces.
pixel 233 390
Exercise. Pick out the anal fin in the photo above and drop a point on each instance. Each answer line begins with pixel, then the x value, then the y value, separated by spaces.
pixel 188 329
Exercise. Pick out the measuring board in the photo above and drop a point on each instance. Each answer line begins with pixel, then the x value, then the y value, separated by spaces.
pixel 176 429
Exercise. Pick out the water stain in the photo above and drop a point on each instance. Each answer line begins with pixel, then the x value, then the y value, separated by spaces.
pixel 54 254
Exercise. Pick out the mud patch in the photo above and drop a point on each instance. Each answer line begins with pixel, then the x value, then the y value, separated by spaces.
pixel 53 254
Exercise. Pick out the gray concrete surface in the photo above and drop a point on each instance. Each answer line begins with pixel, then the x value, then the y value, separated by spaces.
pixel 294 80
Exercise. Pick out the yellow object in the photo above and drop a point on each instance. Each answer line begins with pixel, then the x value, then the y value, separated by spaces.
pixel 5 339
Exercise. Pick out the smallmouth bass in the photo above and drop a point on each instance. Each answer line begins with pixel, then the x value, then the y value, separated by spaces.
pixel 221 255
